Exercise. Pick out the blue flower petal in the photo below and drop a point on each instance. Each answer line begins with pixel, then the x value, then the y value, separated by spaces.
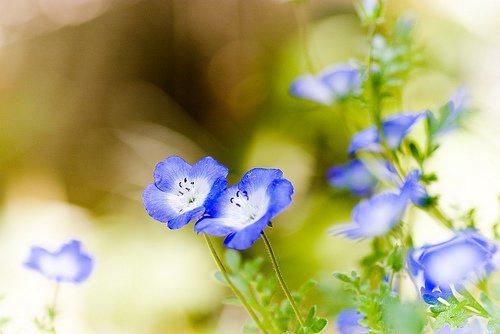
pixel 353 176
pixel 244 238
pixel 168 173
pixel 310 88
pixel 68 264
pixel 280 191
pixel 257 180
pixel 208 169
pixel 436 266
pixel 157 205
pixel 347 322
pixel 395 129
pixel 343 80
pixel 218 227
pixel 374 217
pixel 413 189
pixel 185 218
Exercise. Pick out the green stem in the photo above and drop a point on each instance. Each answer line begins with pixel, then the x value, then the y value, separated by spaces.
pixel 436 212
pixel 281 281
pixel 236 291
pixel 52 309
pixel 301 21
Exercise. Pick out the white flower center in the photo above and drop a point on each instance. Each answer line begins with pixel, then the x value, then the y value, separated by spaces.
pixel 188 194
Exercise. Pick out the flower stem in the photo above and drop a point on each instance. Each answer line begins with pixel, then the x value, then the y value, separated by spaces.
pixel 236 291
pixel 301 21
pixel 279 276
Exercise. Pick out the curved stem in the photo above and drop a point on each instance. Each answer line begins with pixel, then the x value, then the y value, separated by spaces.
pixel 236 291
pixel 279 276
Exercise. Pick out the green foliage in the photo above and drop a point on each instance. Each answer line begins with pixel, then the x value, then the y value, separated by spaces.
pixel 265 297
pixel 46 324
pixel 404 317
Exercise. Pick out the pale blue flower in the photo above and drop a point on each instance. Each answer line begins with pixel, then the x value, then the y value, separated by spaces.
pixel 436 268
pixel 377 215
pixel 69 264
pixel 243 211
pixel 473 326
pixel 347 322
pixel 395 128
pixel 332 84
pixel 357 178
pixel 452 114
pixel 370 7
pixel 181 192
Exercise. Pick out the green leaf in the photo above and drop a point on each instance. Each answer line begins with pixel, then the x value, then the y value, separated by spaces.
pixel 342 277
pixel 318 325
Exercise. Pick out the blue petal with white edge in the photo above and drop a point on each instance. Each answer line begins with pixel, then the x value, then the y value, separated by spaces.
pixel 244 210
pixel 374 217
pixel 310 88
pixel 437 266
pixel 183 193
pixel 343 80
pixel 347 322
pixel 69 264
pixel 395 128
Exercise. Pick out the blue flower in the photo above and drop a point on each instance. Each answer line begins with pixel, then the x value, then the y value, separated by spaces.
pixel 243 211
pixel 370 8
pixel 68 264
pixel 181 192
pixel 435 267
pixel 395 128
pixel 356 177
pixel 348 322
pixel 374 217
pixel 332 84
pixel 473 326
pixel 414 190
pixel 377 215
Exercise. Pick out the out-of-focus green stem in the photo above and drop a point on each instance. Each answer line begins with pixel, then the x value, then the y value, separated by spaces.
pixel 300 15
pixel 474 303
pixel 235 289
pixel 281 281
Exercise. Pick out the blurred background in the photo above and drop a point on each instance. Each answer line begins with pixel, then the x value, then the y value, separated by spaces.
pixel 93 93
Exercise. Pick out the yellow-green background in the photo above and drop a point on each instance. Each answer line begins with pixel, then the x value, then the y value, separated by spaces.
pixel 93 93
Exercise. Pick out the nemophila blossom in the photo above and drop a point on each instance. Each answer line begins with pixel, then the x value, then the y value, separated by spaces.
pixel 395 128
pixel 473 326
pixel 244 210
pixel 347 322
pixel 413 189
pixel 332 84
pixel 371 8
pixel 465 258
pixel 68 264
pixel 356 177
pixel 181 192
pixel 377 215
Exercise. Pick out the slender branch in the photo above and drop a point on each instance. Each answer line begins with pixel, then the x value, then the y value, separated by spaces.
pixel 236 291
pixel 279 276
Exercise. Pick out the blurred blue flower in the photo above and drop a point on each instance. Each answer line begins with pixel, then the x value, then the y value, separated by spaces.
pixel 473 326
pixel 181 192
pixel 370 7
pixel 68 264
pixel 244 210
pixel 377 215
pixel 347 322
pixel 395 128
pixel 436 269
pixel 357 178
pixel 413 189
pixel 332 84
pixel 452 113
pixel 374 217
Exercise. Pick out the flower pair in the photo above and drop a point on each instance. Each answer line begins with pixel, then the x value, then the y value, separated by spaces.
pixel 182 193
